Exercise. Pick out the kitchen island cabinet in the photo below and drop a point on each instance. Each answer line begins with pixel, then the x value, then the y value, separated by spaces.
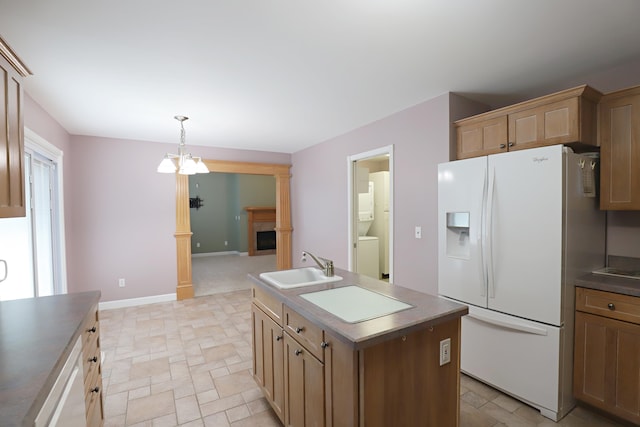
pixel 377 372
pixel 38 336
pixel 607 350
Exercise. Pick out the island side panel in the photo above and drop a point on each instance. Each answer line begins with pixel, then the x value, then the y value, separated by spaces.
pixel 341 383
pixel 402 382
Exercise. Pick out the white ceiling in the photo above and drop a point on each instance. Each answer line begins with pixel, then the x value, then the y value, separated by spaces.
pixel 282 75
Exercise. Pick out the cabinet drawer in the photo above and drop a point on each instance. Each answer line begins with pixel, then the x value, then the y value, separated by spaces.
pixel 94 404
pixel 90 331
pixel 91 365
pixel 608 304
pixel 268 303
pixel 306 333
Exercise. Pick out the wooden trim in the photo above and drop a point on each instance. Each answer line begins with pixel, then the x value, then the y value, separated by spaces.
pixel 583 91
pixel 14 60
pixel 184 289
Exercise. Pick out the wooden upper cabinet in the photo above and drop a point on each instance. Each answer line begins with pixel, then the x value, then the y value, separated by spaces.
pixel 482 138
pixel 620 150
pixel 565 117
pixel 12 195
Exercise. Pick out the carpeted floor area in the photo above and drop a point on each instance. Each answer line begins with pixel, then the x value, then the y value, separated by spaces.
pixel 226 273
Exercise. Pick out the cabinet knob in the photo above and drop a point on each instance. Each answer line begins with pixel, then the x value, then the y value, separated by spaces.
pixel 503 145
pixel 92 330
pixel 511 144
pixel 611 306
pixel 298 352
pixel 278 337
pixel 93 359
pixel 95 390
pixel 299 329
pixel 324 344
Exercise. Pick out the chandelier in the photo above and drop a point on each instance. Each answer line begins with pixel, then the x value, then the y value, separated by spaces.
pixel 186 163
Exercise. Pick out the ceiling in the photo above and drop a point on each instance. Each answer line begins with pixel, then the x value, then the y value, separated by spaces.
pixel 282 75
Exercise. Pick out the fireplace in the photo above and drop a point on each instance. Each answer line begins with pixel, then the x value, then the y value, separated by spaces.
pixel 265 240
pixel 261 230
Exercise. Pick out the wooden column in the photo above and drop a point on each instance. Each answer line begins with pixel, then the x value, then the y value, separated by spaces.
pixel 283 220
pixel 184 290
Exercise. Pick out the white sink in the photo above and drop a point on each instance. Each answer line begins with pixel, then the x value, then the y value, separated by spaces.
pixel 297 277
pixel 355 304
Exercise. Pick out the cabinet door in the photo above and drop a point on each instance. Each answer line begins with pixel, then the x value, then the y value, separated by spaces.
pixel 554 123
pixel 607 365
pixel 304 387
pixel 620 152
pixel 268 359
pixel 482 138
pixel 12 203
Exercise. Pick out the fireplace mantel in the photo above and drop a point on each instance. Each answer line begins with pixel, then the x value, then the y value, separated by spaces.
pixel 258 214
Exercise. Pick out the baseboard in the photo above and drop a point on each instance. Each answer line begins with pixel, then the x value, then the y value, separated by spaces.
pixel 205 254
pixel 132 302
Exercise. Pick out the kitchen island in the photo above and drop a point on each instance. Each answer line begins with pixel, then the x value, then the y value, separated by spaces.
pixel 315 368
pixel 37 337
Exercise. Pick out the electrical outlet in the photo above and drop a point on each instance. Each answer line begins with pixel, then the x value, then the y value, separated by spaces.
pixel 197 244
pixel 226 243
pixel 418 232
pixel 445 351
pixel 121 283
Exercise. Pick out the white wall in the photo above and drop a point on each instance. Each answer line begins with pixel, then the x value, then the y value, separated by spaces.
pixel 421 139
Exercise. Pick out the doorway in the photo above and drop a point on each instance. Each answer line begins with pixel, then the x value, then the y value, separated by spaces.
pixel 184 287
pixel 370 210
pixel 233 225
pixel 32 246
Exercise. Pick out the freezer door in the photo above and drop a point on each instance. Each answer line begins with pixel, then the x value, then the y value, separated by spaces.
pixel 461 193
pixel 524 228
pixel 517 356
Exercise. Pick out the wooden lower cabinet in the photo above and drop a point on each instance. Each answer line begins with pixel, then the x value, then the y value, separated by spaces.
pixel 268 359
pixel 311 378
pixel 607 353
pixel 304 386
pixel 92 369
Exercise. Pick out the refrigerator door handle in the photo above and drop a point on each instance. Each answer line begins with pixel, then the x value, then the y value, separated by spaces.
pixel 483 237
pixel 489 232
pixel 521 327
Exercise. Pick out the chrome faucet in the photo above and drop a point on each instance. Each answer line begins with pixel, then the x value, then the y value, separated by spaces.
pixel 326 266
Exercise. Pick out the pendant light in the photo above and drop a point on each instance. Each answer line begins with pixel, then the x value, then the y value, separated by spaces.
pixel 187 164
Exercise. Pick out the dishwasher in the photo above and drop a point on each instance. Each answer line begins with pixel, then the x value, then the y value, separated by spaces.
pixel 65 404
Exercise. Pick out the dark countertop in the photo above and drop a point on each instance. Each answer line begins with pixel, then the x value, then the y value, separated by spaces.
pixel 601 282
pixel 36 338
pixel 428 310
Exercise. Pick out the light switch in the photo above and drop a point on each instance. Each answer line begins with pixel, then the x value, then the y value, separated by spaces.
pixel 418 232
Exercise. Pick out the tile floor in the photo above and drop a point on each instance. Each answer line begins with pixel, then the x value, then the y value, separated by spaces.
pixel 188 363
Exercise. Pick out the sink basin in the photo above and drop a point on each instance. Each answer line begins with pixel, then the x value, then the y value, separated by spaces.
pixel 297 277
pixel 354 304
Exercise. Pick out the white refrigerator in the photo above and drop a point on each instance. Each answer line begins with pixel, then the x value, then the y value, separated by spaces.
pixel 514 231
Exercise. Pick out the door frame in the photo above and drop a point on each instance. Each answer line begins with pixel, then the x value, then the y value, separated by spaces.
pixel 282 174
pixel 351 203
pixel 34 143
